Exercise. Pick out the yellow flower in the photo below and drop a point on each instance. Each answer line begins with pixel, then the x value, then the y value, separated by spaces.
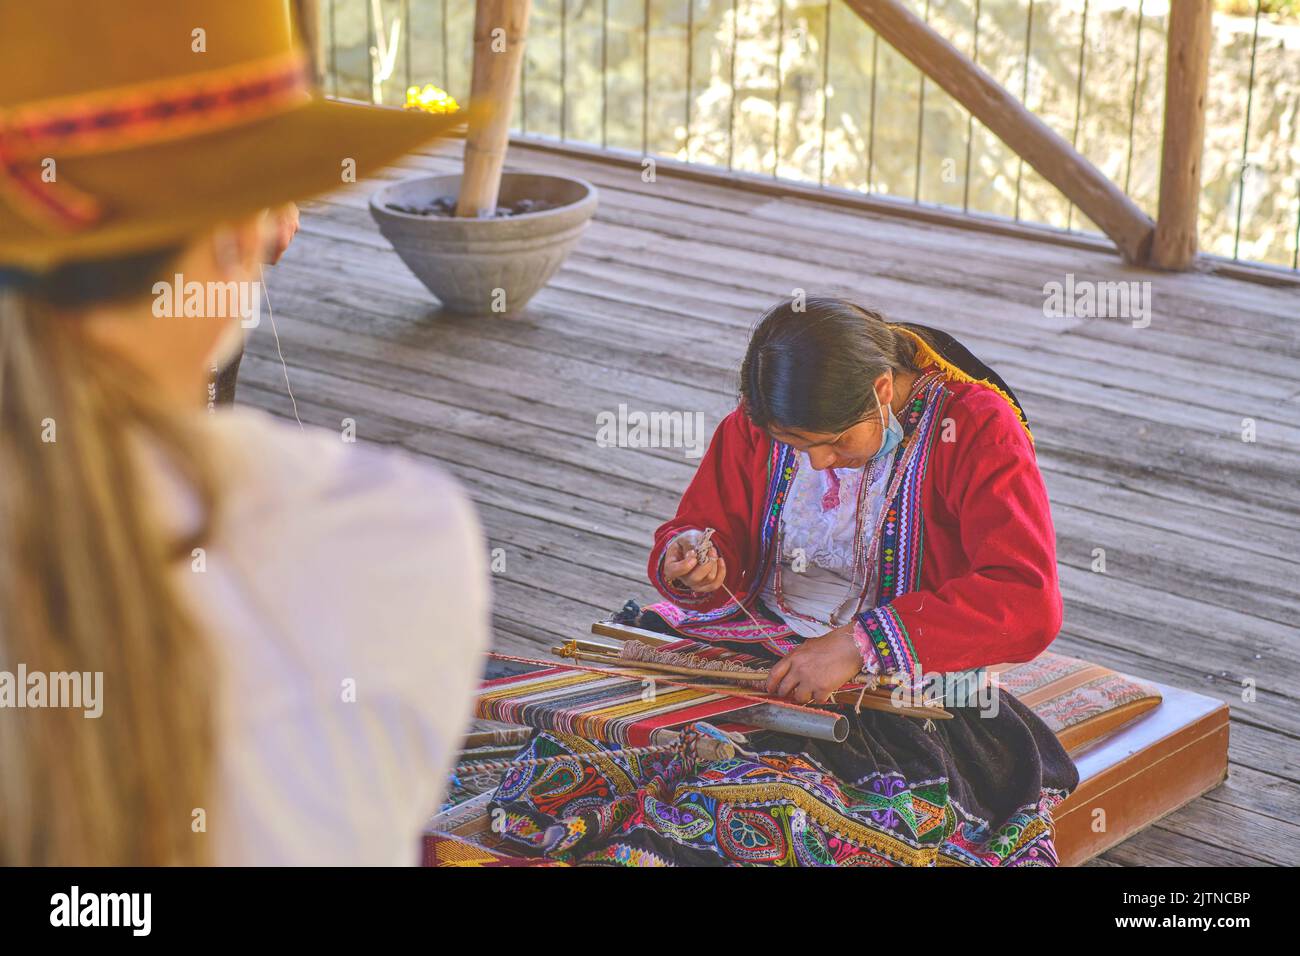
pixel 431 99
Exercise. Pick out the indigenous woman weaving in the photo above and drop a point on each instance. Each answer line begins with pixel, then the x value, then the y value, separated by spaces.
pixel 877 509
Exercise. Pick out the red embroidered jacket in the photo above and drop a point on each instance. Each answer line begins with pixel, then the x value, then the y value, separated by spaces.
pixel 988 590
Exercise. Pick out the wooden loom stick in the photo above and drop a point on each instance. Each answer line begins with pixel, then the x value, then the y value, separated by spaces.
pixel 626 632
pixel 877 700
pixel 740 693
pixel 572 652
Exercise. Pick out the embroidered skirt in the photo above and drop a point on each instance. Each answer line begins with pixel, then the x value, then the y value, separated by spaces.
pixel 976 790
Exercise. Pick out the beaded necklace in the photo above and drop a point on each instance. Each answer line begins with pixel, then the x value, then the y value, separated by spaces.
pixel 902 461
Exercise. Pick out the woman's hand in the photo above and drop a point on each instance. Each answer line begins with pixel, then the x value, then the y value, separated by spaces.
pixel 682 568
pixel 282 226
pixel 817 668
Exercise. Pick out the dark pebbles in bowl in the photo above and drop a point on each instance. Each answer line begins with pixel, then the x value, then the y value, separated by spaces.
pixel 445 207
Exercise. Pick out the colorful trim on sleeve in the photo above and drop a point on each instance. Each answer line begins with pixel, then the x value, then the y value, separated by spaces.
pixel 870 662
pixel 888 637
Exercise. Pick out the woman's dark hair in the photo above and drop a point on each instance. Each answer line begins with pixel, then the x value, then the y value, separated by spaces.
pixel 812 364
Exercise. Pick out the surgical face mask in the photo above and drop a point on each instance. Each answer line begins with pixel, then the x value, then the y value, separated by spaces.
pixel 891 432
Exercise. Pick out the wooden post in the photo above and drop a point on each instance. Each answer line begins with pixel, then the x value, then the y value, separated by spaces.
pixel 1180 159
pixel 500 28
pixel 306 14
pixel 1059 163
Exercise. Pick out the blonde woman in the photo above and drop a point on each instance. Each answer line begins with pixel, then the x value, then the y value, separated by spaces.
pixel 272 635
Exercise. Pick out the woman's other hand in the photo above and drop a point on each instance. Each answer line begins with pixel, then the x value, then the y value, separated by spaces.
pixel 817 668
pixel 682 568
pixel 282 226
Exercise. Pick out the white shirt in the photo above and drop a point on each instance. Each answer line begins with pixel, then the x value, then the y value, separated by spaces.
pixel 818 525
pixel 344 593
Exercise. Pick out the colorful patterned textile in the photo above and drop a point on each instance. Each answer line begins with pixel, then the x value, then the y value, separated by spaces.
pixel 1079 701
pixel 604 706
pixel 977 790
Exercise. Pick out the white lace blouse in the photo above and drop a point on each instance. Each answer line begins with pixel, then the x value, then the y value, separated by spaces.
pixel 818 524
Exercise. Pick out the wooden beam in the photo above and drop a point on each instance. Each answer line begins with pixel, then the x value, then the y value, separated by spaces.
pixel 1186 76
pixel 500 29
pixel 1055 159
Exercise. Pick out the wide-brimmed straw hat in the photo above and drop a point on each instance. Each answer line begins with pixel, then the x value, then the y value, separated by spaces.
pixel 135 124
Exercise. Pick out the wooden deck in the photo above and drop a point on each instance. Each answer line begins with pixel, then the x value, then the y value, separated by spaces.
pixel 1139 431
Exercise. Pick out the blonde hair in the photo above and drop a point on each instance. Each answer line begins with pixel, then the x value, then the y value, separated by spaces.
pixel 86 585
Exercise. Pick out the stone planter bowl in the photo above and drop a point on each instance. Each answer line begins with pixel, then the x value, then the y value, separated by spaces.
pixel 464 262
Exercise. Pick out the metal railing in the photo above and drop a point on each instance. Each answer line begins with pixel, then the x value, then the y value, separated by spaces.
pixel 802 90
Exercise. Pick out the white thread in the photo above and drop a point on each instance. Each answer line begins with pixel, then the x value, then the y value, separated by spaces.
pixel 283 365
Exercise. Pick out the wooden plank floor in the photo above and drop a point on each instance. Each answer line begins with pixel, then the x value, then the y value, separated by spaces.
pixel 1139 429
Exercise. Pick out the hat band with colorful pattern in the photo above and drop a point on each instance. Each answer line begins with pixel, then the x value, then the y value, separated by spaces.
pixel 131 116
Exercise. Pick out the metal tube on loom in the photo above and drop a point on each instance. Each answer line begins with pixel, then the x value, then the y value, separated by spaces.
pixel 803 723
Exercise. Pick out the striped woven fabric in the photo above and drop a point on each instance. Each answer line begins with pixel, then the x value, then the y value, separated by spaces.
pixel 615 709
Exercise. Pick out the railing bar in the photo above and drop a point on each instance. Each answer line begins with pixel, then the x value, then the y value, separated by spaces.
pixel 523 91
pixel 731 119
pixel 1024 99
pixel 871 128
pixel 406 51
pixel 604 74
pixel 826 107
pixel 1295 252
pixel 1078 99
pixel 1245 136
pixel 645 81
pixel 446 64
pixel 970 117
pixel 334 49
pixel 920 123
pixel 1133 100
pixel 780 51
pixel 564 69
pixel 370 45
pixel 690 69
